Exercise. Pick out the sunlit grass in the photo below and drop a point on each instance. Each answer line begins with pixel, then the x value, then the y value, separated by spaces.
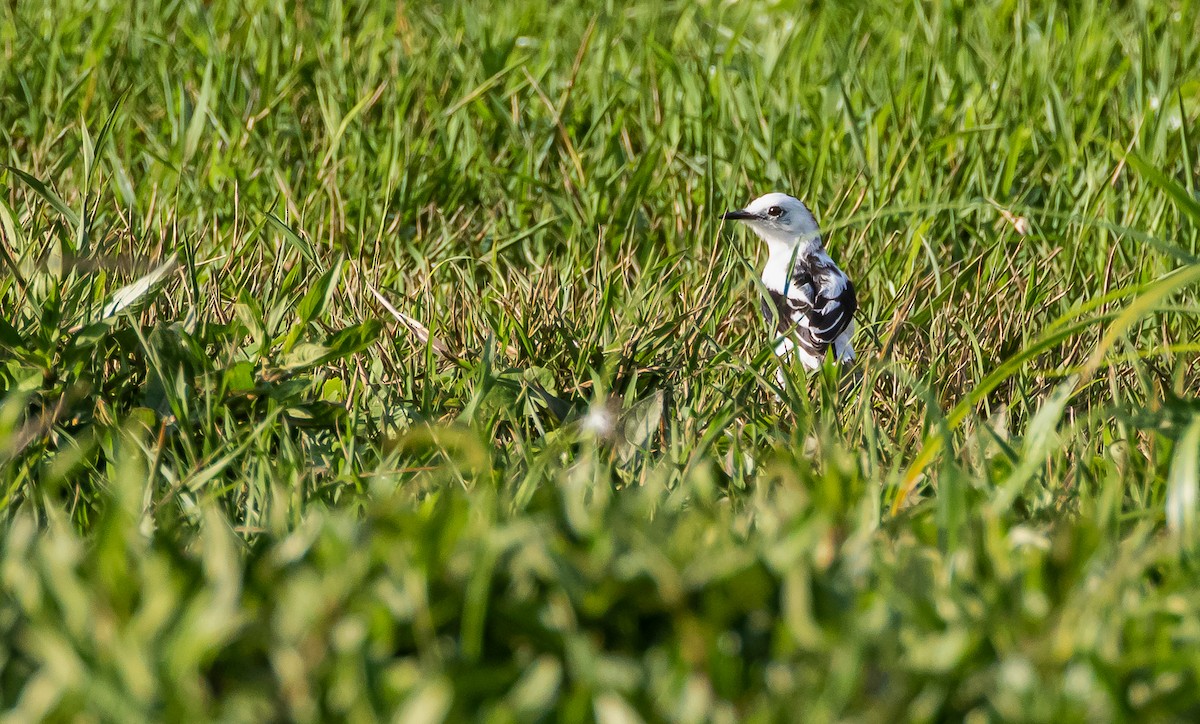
pixel 557 479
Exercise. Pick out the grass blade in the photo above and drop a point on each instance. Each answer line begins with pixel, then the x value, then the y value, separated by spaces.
pixel 1187 204
pixel 46 193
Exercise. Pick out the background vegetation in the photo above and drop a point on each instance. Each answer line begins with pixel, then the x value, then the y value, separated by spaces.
pixel 556 479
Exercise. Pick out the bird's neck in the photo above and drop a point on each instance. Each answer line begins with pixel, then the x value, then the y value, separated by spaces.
pixel 782 260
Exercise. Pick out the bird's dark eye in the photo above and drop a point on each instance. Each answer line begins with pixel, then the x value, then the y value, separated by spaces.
pixel 774 212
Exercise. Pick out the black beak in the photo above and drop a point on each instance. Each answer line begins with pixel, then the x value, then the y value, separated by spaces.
pixel 738 216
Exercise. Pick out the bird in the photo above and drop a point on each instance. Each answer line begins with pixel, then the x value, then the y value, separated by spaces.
pixel 810 301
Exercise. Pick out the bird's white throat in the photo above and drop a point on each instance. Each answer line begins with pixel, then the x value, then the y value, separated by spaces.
pixel 782 257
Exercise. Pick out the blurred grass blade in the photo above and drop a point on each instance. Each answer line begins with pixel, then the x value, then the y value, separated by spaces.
pixel 639 423
pixel 88 147
pixel 105 132
pixel 1183 485
pixel 8 226
pixel 1041 437
pixel 133 297
pixel 199 117
pixel 535 691
pixel 51 198
pixel 1188 205
pixel 428 705
pixel 364 103
pixel 611 708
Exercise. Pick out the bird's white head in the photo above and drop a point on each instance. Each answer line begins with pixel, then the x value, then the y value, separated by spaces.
pixel 784 222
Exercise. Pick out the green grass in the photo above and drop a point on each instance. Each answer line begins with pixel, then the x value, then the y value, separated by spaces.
pixel 234 486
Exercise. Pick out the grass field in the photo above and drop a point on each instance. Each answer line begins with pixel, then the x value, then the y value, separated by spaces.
pixel 562 484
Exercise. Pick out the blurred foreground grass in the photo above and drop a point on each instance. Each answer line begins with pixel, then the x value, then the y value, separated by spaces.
pixel 234 486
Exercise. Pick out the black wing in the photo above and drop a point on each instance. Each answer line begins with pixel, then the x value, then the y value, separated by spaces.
pixel 809 313
pixel 829 316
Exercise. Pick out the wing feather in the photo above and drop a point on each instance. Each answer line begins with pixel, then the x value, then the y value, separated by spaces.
pixel 818 307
